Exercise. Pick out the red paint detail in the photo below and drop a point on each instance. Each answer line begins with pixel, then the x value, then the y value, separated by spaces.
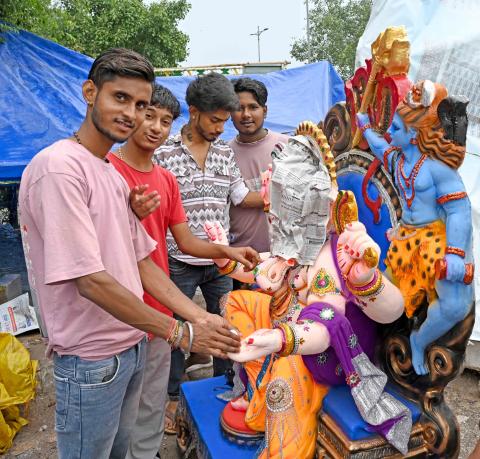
pixel 373 206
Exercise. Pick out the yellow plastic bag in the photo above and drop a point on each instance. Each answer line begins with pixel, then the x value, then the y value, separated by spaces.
pixel 17 386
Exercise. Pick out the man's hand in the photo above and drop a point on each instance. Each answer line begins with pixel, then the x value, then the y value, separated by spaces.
pixel 213 335
pixel 455 268
pixel 143 204
pixel 245 255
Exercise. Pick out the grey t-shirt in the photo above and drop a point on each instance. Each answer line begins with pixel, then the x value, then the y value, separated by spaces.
pixel 249 227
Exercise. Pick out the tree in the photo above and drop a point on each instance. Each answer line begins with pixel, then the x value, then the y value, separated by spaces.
pixel 335 27
pixel 36 16
pixel 91 26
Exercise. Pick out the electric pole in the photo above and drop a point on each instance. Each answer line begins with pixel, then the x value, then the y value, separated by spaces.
pixel 309 47
pixel 258 33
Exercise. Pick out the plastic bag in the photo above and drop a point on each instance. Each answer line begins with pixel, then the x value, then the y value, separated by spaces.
pixel 17 386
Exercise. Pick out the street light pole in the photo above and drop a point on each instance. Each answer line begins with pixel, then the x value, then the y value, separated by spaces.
pixel 309 49
pixel 258 33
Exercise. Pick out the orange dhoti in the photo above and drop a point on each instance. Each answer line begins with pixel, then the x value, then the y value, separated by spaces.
pixel 411 258
pixel 284 399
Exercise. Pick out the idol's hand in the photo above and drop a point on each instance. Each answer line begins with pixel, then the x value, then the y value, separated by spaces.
pixel 217 235
pixel 455 268
pixel 259 344
pixel 362 119
pixel 215 232
pixel 266 177
pixel 357 254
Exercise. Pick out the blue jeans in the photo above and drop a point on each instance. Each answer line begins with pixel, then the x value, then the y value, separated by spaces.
pixel 213 286
pixel 97 403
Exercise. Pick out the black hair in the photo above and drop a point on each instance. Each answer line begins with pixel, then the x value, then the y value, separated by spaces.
pixel 120 62
pixel 256 88
pixel 212 92
pixel 162 97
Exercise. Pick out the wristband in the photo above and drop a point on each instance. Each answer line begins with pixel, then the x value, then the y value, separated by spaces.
pixel 455 251
pixel 368 289
pixel 365 127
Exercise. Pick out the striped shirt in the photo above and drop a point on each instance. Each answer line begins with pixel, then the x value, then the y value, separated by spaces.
pixel 205 193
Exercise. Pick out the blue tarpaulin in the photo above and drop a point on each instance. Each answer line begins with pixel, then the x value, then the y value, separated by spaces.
pixel 41 100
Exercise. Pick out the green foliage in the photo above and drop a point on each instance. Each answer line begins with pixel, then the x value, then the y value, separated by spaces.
pixel 91 26
pixel 335 27
pixel 35 16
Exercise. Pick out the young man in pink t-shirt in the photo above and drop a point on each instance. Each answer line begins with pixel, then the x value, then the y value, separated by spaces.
pixel 134 161
pixel 88 263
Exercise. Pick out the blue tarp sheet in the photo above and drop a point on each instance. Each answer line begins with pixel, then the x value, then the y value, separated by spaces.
pixel 41 100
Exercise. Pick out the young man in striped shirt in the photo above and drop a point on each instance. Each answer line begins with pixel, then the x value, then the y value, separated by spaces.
pixel 209 179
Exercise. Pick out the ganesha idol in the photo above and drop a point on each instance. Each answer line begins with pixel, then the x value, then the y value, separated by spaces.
pixel 310 321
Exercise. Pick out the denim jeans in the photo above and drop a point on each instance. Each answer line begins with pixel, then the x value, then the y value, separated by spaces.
pixel 97 403
pixel 147 434
pixel 213 286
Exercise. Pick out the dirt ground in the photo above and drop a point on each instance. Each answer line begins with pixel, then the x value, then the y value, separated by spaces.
pixel 37 439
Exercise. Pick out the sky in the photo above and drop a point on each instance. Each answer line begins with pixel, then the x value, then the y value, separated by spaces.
pixel 219 30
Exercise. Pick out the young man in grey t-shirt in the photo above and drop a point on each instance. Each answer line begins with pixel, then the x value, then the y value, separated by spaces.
pixel 252 149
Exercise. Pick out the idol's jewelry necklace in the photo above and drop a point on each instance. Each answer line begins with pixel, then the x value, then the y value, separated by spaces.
pixel 410 180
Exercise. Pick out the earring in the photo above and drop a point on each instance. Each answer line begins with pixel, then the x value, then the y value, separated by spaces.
pixel 414 141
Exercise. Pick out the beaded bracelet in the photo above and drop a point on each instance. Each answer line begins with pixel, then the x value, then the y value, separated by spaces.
pixel 365 127
pixel 455 251
pixel 179 336
pixel 368 289
pixel 173 333
pixel 171 329
pixel 297 340
pixel 228 268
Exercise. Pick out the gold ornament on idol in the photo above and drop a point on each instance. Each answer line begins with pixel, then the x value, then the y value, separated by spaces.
pixel 228 268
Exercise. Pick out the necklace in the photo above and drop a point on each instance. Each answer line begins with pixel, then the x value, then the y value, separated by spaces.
pixel 120 153
pixel 77 138
pixel 410 180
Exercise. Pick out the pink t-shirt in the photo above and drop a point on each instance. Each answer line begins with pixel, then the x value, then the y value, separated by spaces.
pixel 75 220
